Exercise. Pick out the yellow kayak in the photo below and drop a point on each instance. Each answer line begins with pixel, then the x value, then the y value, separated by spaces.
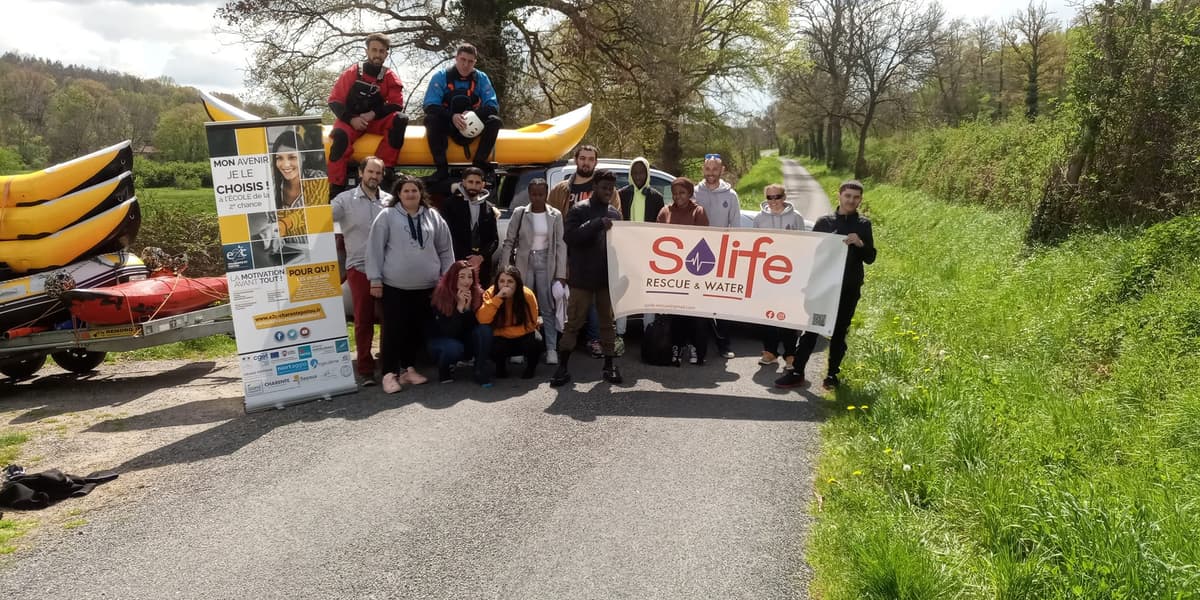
pixel 542 142
pixel 31 221
pixel 66 178
pixel 108 231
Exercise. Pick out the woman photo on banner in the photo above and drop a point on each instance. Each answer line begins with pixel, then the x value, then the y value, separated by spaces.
pixel 290 167
pixel 408 251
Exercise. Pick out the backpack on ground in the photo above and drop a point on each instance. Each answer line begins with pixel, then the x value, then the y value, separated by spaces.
pixel 656 342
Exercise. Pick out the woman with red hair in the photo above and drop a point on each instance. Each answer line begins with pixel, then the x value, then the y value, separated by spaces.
pixel 456 334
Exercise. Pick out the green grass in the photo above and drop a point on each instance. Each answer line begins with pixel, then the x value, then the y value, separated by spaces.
pixel 207 348
pixel 10 446
pixel 10 530
pixel 768 170
pixel 1031 425
pixel 199 201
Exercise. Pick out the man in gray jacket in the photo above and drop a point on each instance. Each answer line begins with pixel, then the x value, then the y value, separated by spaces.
pixel 720 203
pixel 354 210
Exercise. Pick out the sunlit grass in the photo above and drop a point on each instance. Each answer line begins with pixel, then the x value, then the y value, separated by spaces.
pixel 1033 427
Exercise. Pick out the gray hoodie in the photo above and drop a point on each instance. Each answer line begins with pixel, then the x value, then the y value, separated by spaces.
pixel 789 219
pixel 395 255
pixel 721 205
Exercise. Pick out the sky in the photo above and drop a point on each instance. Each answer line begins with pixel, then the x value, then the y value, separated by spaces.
pixel 178 38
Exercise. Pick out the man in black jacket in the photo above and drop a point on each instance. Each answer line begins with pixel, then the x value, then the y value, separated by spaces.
pixel 861 250
pixel 585 231
pixel 472 222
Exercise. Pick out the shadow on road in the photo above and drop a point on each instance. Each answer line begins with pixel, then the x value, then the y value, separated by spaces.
pixel 685 405
pixel 64 393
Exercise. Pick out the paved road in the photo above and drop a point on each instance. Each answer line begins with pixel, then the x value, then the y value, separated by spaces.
pixel 804 192
pixel 693 482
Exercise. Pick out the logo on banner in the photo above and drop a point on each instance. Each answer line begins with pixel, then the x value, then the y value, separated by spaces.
pixel 734 268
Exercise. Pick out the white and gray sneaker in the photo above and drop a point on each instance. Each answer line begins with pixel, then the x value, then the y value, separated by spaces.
pixel 552 357
pixel 691 352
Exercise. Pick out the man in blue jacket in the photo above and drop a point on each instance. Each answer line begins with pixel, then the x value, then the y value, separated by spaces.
pixel 452 94
pixel 860 243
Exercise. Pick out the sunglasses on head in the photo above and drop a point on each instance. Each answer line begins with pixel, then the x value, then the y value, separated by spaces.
pixel 712 157
pixel 774 196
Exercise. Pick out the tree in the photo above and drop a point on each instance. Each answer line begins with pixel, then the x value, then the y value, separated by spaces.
pixel 300 87
pixel 1028 33
pixel 825 28
pixel 180 133
pixel 890 42
pixel 82 117
pixel 319 33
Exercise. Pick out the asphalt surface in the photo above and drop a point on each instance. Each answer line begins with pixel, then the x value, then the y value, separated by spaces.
pixel 690 482
pixel 804 192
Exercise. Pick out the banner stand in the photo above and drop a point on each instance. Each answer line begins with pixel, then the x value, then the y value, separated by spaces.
pixel 277 240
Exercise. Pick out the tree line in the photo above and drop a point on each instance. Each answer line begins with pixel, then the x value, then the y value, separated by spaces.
pixel 51 112
pixel 1117 82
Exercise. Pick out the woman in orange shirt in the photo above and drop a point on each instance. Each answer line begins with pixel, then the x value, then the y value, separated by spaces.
pixel 512 311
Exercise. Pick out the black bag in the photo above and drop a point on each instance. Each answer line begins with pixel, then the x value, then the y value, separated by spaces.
pixel 656 342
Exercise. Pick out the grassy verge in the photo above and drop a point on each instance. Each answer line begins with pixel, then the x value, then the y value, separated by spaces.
pixel 768 169
pixel 199 201
pixel 1016 424
pixel 10 446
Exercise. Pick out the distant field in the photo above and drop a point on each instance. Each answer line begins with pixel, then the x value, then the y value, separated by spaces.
pixel 198 201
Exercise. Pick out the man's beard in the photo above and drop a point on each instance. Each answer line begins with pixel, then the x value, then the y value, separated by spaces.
pixel 588 173
pixel 371 186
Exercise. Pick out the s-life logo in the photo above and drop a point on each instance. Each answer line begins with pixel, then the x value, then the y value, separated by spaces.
pixel 730 261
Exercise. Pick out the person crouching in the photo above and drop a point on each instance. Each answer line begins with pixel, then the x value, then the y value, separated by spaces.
pixel 512 311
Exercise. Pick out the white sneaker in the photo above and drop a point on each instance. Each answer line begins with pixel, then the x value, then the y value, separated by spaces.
pixel 552 357
pixel 517 360
pixel 691 352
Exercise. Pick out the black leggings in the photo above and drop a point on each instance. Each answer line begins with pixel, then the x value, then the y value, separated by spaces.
pixel 439 129
pixel 526 345
pixel 406 313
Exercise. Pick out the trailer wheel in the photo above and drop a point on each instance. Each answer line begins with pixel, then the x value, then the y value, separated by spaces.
pixel 78 360
pixel 23 368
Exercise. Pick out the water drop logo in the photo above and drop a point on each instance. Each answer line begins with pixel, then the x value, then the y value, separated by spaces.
pixel 701 260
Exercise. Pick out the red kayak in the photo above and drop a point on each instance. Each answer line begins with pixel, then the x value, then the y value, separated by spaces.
pixel 151 298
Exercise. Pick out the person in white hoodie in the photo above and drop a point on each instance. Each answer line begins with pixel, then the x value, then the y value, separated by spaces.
pixel 778 213
pixel 408 250
pixel 720 203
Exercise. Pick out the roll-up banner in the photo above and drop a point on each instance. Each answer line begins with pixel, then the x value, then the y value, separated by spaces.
pixel 783 278
pixel 277 239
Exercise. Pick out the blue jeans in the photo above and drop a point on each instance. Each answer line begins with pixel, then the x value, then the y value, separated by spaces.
pixel 446 351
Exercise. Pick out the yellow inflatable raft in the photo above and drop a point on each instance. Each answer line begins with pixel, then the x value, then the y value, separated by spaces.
pixel 37 220
pixel 65 178
pixel 542 142
pixel 108 231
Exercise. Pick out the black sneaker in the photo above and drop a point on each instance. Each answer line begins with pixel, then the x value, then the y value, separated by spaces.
pixel 446 374
pixel 791 379
pixel 831 382
pixel 367 380
pixel 613 375
pixel 561 377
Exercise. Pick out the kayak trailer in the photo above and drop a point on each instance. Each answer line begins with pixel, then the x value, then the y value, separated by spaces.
pixel 82 350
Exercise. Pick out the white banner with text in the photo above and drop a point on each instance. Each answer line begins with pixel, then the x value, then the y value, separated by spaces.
pixel 783 278
pixel 277 239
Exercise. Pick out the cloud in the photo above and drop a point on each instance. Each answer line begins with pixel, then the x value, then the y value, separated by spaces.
pixel 142 37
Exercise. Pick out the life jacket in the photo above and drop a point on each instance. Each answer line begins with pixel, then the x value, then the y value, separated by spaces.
pixel 473 101
pixel 365 96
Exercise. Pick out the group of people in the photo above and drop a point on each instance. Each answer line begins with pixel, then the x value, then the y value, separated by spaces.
pixel 426 273
pixel 460 104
